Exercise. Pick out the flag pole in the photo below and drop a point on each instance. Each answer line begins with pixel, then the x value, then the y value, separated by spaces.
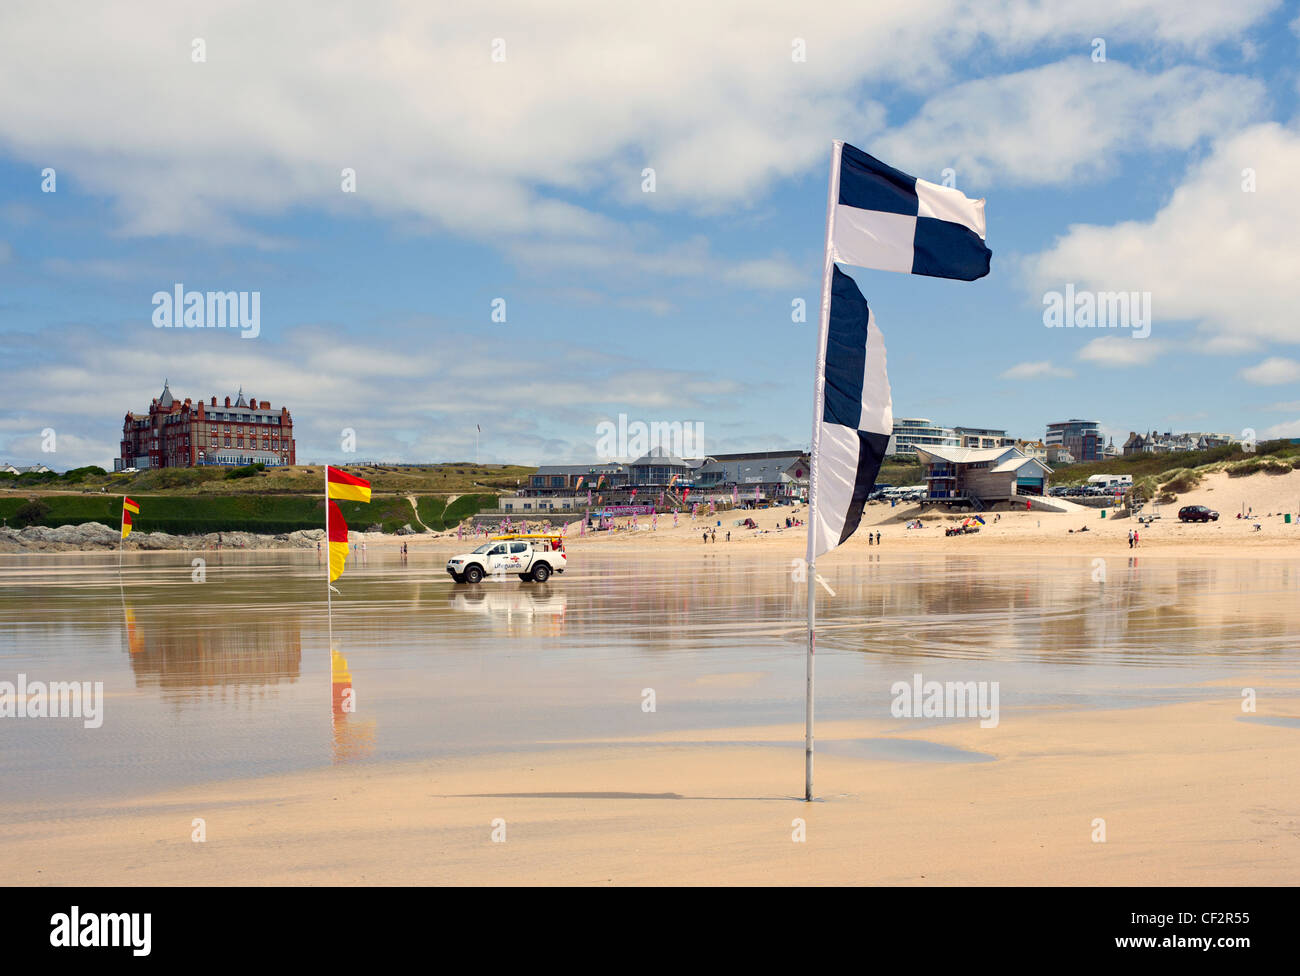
pixel 329 604
pixel 819 396
pixel 121 528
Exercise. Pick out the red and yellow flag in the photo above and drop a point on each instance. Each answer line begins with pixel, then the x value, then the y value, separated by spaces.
pixel 337 530
pixel 347 487
pixel 129 508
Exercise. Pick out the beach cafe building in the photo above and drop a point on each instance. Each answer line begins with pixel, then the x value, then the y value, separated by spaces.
pixel 979 475
pixel 761 476
pixel 750 478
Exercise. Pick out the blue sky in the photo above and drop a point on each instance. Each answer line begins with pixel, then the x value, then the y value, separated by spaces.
pixel 521 179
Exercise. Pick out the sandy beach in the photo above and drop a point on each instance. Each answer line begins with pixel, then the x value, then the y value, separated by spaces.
pixel 1190 794
pixel 1269 497
pixel 515 708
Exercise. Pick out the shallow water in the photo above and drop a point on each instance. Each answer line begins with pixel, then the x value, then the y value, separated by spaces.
pixel 231 676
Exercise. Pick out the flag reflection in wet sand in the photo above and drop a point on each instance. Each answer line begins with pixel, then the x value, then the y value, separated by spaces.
pixel 352 738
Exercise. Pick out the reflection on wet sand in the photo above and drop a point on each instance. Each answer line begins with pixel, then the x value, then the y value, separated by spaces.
pixel 184 657
pixel 534 608
pixel 232 676
pixel 352 738
pixel 1118 611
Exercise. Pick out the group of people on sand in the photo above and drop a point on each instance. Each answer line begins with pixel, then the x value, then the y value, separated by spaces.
pixel 1133 539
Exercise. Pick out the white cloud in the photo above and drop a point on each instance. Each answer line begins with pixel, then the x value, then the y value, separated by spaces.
pixel 1068 121
pixel 1121 351
pixel 691 258
pixel 1289 428
pixel 1272 371
pixel 1224 344
pixel 408 95
pixel 1213 254
pixel 1035 370
pixel 403 405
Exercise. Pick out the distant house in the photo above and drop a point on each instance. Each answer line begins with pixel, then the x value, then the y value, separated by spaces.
pixel 1033 449
pixel 1136 444
pixel 981 474
pixel 8 469
pixel 1169 442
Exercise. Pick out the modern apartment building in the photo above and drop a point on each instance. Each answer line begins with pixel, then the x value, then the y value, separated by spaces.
pixel 1081 438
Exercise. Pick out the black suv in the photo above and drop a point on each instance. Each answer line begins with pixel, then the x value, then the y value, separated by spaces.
pixel 1197 513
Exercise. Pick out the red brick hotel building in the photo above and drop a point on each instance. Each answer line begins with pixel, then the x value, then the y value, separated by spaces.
pixel 181 435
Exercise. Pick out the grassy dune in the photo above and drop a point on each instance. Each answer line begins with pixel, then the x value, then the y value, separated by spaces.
pixel 451 478
pixel 1281 455
pixel 270 514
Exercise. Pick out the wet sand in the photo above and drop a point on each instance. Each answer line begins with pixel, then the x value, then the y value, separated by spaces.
pixel 1190 794
pixel 1120 700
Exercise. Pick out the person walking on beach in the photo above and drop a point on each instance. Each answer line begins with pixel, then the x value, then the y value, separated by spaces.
pixel 877 538
pixel 870 540
pixel 1135 538
pixel 713 535
pixel 1130 538
pixel 706 536
pixel 728 535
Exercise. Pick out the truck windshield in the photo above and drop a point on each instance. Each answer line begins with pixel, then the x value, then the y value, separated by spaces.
pixel 485 547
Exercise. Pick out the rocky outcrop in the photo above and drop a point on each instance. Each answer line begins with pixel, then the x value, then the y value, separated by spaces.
pixel 94 536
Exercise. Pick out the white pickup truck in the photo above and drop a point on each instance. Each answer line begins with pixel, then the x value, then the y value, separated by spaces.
pixel 533 558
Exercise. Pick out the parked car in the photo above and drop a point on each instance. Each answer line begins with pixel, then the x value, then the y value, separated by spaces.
pixel 533 558
pixel 1197 513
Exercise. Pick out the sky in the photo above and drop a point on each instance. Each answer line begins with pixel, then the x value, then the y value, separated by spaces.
pixel 387 176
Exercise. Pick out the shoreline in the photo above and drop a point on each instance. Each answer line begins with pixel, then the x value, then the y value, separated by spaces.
pixel 1075 533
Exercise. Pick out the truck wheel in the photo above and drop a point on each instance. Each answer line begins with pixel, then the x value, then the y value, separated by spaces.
pixel 458 577
pixel 541 573
pixel 473 574
pixel 525 577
